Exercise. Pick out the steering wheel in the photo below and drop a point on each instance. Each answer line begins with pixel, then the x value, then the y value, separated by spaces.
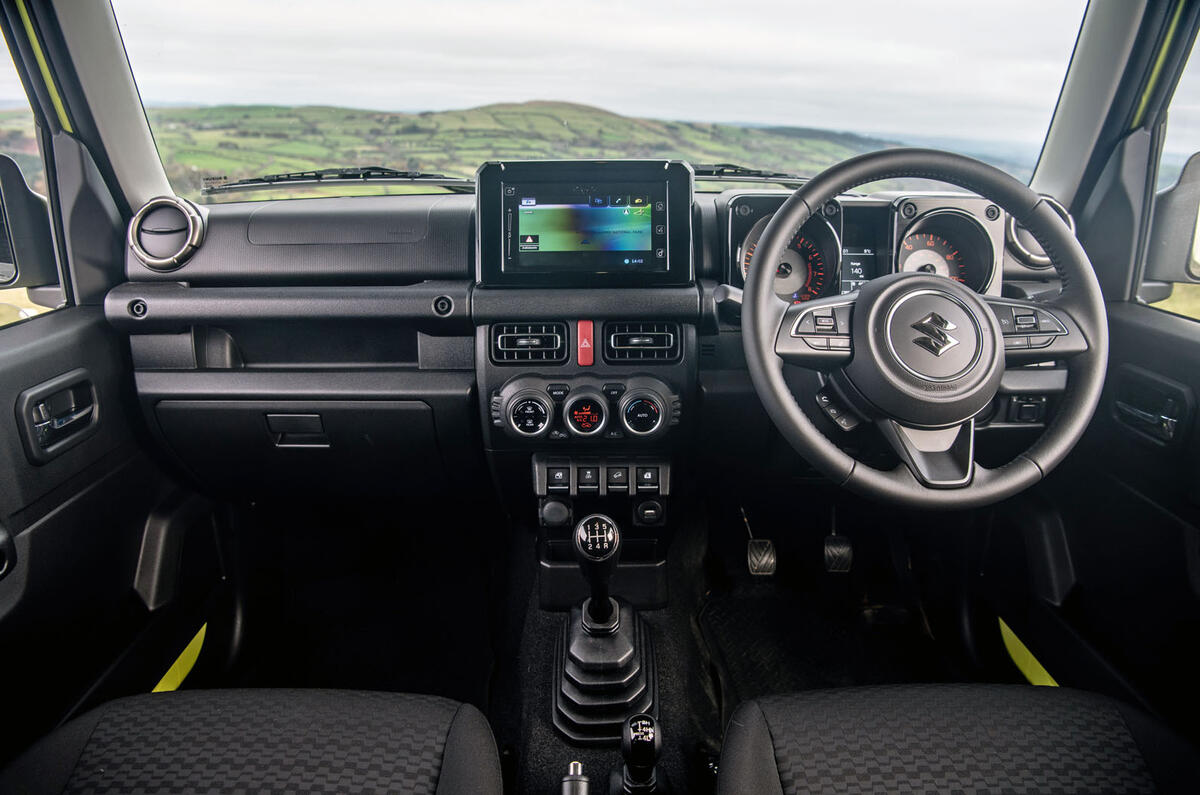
pixel 921 355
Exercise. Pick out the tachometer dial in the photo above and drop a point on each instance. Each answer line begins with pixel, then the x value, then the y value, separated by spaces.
pixel 925 252
pixel 804 271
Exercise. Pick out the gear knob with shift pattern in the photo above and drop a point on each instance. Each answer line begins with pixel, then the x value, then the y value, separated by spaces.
pixel 641 744
pixel 598 549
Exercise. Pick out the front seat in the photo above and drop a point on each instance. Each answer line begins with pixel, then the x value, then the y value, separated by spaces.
pixel 266 741
pixel 950 738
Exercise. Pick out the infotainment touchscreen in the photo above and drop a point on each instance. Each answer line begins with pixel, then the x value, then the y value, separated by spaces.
pixel 584 223
pixel 593 227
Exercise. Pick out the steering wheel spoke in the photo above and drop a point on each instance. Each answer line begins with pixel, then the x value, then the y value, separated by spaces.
pixel 938 459
pixel 816 334
pixel 1036 331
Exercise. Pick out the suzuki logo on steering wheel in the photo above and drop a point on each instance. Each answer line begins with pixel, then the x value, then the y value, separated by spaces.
pixel 933 327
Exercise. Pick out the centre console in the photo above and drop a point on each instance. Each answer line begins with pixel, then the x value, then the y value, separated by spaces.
pixel 586 356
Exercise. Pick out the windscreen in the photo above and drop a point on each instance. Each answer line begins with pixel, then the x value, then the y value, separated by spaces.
pixel 235 89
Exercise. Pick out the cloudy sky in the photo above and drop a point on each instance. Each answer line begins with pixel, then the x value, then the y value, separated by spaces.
pixel 951 69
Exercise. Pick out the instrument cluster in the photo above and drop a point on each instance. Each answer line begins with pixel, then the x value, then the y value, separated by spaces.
pixel 856 239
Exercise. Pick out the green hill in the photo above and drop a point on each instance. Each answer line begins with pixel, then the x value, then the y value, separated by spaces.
pixel 235 141
pixel 241 141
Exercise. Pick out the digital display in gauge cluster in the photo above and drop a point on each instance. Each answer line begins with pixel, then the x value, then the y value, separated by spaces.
pixel 865 252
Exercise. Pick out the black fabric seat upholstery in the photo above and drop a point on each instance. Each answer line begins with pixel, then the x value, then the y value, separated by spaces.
pixel 950 738
pixel 266 741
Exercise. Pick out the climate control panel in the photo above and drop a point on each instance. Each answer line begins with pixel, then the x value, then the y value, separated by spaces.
pixel 640 407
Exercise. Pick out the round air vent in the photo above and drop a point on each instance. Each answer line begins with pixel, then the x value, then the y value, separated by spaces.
pixel 1022 244
pixel 165 232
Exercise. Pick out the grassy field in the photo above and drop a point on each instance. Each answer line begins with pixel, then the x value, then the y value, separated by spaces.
pixel 241 141
pixel 237 141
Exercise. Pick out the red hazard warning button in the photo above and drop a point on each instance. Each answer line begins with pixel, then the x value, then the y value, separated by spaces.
pixel 586 349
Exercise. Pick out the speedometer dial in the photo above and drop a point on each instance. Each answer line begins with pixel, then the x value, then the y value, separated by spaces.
pixel 805 270
pixel 950 243
pixel 925 252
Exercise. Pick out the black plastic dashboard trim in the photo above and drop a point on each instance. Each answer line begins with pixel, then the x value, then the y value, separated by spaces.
pixel 494 305
pixel 175 306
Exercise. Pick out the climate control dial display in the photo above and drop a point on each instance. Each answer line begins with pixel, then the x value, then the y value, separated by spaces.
pixel 585 412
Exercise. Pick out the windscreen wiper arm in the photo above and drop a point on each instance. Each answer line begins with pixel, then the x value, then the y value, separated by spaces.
pixel 735 173
pixel 336 176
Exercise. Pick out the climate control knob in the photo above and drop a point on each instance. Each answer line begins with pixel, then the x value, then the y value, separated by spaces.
pixel 529 415
pixel 642 414
pixel 585 412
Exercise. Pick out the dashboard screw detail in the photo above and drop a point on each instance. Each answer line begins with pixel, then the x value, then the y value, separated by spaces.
pixel 743 209
pixel 138 308
pixel 831 209
pixel 908 210
pixel 443 305
pixel 992 212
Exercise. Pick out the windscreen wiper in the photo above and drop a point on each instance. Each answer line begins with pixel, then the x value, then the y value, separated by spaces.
pixel 734 173
pixel 340 176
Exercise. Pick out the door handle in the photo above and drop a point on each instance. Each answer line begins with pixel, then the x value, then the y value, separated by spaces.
pixel 1152 405
pixel 58 414
pixel 53 429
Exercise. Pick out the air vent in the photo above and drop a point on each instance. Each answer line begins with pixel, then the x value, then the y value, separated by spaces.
pixel 641 342
pixel 518 343
pixel 165 232
pixel 1023 244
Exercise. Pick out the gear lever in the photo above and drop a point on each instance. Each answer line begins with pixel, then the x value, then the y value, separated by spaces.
pixel 641 743
pixel 598 548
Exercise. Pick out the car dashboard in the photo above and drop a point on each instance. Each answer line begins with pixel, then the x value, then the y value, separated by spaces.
pixel 569 334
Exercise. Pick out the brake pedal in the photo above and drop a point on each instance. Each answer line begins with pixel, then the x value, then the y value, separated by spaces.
pixel 839 554
pixel 760 552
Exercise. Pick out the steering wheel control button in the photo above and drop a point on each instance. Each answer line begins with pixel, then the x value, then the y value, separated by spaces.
pixel 842 315
pixel 1004 317
pixel 642 415
pixel 1049 324
pixel 834 410
pixel 1016 343
pixel 807 324
pixel 585 412
pixel 587 478
pixel 529 416
pixel 817 343
pixel 839 343
pixel 617 479
pixel 647 478
pixel 558 392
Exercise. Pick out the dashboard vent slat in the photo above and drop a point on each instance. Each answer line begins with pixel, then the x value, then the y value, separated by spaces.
pixel 641 341
pixel 522 343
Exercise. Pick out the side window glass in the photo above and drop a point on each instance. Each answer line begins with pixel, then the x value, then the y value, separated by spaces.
pixel 19 141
